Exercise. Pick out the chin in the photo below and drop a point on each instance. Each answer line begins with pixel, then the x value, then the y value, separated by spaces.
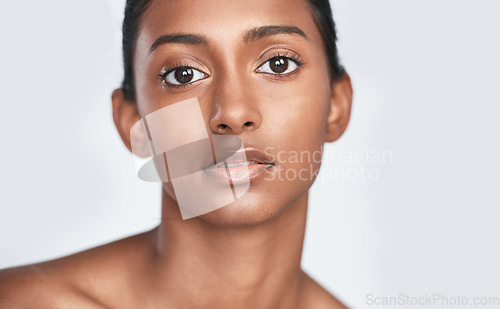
pixel 249 210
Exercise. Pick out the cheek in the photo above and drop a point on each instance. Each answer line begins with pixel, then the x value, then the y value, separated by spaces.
pixel 298 121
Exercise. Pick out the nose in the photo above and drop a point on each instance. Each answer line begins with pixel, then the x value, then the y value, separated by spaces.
pixel 236 108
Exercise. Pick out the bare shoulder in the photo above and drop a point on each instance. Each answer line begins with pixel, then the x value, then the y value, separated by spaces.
pixel 315 296
pixel 85 280
pixel 32 286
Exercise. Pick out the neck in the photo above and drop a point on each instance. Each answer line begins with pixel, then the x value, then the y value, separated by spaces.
pixel 209 266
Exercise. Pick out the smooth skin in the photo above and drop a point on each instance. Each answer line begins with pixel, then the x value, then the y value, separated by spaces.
pixel 244 255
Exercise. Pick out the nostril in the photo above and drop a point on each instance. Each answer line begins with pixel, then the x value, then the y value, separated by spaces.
pixel 224 127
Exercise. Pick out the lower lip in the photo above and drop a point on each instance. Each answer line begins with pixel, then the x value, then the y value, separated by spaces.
pixel 241 174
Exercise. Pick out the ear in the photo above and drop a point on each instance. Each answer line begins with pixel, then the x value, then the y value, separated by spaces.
pixel 125 115
pixel 340 108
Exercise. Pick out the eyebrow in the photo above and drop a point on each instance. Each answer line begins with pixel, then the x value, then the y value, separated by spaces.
pixel 250 35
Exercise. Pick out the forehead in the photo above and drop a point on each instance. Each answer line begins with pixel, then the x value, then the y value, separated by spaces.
pixel 223 22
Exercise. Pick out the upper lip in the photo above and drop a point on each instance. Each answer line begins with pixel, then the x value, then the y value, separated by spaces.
pixel 252 154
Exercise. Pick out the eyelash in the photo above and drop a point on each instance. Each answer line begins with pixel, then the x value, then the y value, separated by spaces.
pixel 294 57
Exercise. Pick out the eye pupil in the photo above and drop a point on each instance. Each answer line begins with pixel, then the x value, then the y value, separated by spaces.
pixel 184 75
pixel 279 64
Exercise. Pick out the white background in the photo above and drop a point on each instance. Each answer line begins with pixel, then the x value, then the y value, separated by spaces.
pixel 425 74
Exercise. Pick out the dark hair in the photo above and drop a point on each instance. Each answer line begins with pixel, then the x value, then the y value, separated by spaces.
pixel 134 9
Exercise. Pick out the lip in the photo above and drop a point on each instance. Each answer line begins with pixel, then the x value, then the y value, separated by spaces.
pixel 233 167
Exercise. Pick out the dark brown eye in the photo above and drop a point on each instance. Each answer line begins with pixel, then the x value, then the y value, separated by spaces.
pixel 278 64
pixel 183 75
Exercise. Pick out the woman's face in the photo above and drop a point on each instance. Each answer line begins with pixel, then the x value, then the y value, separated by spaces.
pixel 281 105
